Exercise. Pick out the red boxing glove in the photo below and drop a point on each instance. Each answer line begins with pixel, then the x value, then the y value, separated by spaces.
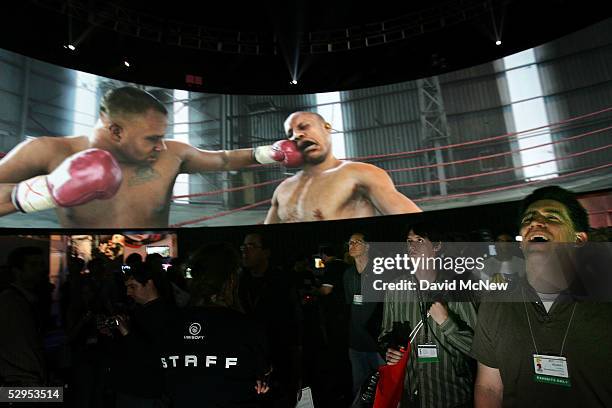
pixel 85 176
pixel 283 151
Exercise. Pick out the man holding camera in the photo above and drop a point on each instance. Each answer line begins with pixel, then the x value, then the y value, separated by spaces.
pixel 139 379
pixel 439 368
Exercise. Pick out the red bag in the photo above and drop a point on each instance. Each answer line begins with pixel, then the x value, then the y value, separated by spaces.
pixel 391 382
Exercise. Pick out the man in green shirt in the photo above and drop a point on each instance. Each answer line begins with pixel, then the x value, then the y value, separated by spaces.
pixel 447 379
pixel 542 347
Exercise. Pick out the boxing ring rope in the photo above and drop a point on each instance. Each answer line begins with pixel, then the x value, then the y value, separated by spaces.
pixel 426 199
pixel 524 133
pixel 478 141
pixel 227 190
pixel 492 156
pixel 505 170
pixel 463 144
pixel 519 135
pixel 221 214
pixel 513 186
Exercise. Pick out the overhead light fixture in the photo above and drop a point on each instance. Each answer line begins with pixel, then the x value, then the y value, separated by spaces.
pixel 293 82
pixel 69 47
pixel 498 42
pixel 126 63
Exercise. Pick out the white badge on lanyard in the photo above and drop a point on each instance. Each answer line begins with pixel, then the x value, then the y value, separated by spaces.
pixel 551 370
pixel 358 299
pixel 427 353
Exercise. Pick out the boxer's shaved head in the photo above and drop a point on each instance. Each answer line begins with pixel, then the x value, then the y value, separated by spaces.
pixel 312 135
pixel 128 100
pixel 313 114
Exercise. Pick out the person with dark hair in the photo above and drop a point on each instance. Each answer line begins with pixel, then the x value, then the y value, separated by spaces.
pixel 268 296
pixel 439 369
pixel 154 260
pixel 543 344
pixel 139 379
pixel 140 284
pixel 332 383
pixel 328 188
pixel 154 263
pixel 506 265
pixel 331 272
pixel 425 229
pixel 87 347
pixel 122 174
pixel 133 258
pixel 215 356
pixel 575 211
pixel 364 317
pixel 22 361
pixel 69 288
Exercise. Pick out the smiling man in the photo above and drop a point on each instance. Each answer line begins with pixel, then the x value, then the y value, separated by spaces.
pixel 542 346
pixel 122 174
pixel 328 188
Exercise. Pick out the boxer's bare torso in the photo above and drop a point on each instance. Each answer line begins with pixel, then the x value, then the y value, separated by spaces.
pixel 328 188
pixel 348 190
pixel 333 194
pixel 143 199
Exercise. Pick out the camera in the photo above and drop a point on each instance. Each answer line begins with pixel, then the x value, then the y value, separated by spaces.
pixel 111 322
pixel 318 263
pixel 397 337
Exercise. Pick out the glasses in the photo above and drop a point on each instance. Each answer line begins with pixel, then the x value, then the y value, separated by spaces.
pixel 249 246
pixel 355 242
pixel 415 241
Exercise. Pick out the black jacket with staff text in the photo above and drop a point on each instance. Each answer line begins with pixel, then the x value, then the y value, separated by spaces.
pixel 213 357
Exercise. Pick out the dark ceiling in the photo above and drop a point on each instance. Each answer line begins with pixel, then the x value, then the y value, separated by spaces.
pixel 259 47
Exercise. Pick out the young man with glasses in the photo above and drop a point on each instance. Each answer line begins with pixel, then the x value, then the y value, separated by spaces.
pixel 267 295
pixel 439 368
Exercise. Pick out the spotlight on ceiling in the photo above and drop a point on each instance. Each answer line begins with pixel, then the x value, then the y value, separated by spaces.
pixel 69 47
pixel 126 63
pixel 293 82
pixel 498 42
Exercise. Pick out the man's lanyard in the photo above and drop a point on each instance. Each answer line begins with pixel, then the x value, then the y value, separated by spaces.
pixel 550 369
pixel 531 329
pixel 423 312
pixel 416 330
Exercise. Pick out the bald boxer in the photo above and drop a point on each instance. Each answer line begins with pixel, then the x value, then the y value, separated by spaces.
pixel 120 176
pixel 328 188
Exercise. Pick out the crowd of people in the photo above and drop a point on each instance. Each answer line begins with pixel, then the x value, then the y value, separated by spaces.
pixel 227 327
